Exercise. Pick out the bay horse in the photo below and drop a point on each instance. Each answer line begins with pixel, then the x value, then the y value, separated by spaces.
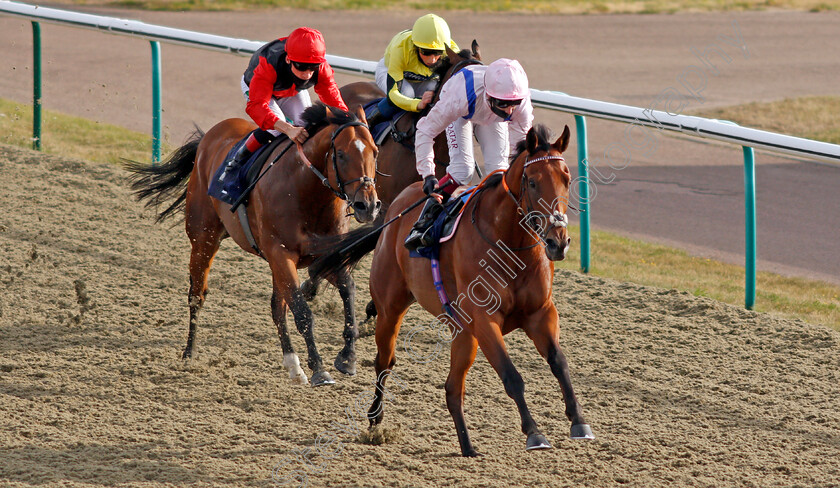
pixel 288 205
pixel 499 264
pixel 397 167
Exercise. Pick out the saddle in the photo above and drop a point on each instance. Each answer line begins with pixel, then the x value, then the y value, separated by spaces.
pixel 445 224
pixel 388 127
pixel 236 184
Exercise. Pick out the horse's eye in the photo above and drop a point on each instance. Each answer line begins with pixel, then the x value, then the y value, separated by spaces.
pixel 531 183
pixel 341 157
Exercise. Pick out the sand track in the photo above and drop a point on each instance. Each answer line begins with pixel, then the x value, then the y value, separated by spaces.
pixel 680 391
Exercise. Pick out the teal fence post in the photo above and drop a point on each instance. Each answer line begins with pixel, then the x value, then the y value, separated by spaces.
pixel 583 190
pixel 156 104
pixel 36 88
pixel 749 226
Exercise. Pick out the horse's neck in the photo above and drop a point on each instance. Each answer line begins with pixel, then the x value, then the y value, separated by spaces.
pixel 501 221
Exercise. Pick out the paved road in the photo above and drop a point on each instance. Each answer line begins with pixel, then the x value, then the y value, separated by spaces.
pixel 682 192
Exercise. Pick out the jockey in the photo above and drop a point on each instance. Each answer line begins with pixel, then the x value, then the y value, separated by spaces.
pixel 276 86
pixel 406 73
pixel 493 100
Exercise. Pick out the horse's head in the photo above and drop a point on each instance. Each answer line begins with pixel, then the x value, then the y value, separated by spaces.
pixel 539 181
pixel 351 162
pixel 453 62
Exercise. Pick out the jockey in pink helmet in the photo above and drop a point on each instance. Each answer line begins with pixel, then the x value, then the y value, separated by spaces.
pixel 494 102
pixel 276 88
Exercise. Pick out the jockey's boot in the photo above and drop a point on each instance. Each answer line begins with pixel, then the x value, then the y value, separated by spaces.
pixel 232 165
pixel 375 118
pixel 420 235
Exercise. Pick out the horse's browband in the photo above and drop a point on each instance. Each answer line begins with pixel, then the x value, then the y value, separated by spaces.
pixel 544 158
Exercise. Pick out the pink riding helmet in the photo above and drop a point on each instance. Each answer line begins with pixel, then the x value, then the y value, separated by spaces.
pixel 506 80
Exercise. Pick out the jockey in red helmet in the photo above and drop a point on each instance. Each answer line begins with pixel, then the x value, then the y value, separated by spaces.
pixel 276 86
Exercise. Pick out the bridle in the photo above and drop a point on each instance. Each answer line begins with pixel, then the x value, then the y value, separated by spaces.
pixel 539 223
pixel 364 180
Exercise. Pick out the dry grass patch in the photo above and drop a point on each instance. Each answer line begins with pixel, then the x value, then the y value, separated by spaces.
pixel 809 117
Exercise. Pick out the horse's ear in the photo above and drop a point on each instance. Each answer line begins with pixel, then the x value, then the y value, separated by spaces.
pixel 449 52
pixel 532 140
pixel 360 113
pixel 476 52
pixel 562 142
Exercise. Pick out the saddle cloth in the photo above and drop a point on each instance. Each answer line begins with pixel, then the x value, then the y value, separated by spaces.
pixel 236 182
pixel 445 225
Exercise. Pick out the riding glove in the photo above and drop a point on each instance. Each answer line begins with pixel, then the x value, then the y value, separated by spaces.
pixel 429 184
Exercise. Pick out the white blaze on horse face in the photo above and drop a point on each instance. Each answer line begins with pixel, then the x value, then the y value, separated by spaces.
pixel 360 146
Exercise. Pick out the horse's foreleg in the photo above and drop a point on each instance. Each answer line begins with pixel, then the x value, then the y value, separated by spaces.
pixel 345 361
pixel 290 359
pixel 305 325
pixel 492 345
pixel 284 277
pixel 461 359
pixel 544 332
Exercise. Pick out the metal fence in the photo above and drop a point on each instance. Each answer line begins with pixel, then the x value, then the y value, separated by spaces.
pixel 579 107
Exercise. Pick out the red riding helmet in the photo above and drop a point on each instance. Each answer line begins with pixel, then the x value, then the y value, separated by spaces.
pixel 306 45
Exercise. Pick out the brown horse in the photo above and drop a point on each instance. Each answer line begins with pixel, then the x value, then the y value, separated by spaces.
pixel 499 266
pixel 397 167
pixel 288 205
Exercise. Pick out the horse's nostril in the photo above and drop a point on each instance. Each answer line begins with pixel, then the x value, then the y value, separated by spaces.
pixel 359 206
pixel 378 205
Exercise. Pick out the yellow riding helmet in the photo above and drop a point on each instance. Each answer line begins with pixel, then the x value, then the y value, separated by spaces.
pixel 430 32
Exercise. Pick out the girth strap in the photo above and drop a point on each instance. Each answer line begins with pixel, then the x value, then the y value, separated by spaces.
pixel 242 212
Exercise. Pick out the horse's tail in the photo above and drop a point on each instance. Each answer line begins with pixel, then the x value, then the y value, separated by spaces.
pixel 342 251
pixel 158 183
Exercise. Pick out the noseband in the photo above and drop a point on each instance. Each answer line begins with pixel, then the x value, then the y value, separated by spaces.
pixel 365 181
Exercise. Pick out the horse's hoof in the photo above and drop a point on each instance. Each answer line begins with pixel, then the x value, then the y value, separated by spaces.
pixel 187 354
pixel 582 431
pixel 299 379
pixel 471 453
pixel 537 441
pixel 321 378
pixel 345 364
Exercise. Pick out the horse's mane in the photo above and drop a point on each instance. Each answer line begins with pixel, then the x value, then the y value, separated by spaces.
pixel 543 134
pixel 319 116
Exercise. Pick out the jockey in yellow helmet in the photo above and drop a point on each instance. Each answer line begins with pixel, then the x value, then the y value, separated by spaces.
pixel 406 71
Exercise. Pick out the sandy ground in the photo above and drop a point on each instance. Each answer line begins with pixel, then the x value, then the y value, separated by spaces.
pixel 682 193
pixel 680 391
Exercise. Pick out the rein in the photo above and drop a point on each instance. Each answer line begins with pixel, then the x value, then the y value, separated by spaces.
pixel 364 180
pixel 555 219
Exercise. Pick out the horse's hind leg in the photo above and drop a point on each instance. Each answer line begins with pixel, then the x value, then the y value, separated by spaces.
pixel 461 358
pixel 290 360
pixel 205 235
pixel 345 361
pixel 394 300
pixel 542 329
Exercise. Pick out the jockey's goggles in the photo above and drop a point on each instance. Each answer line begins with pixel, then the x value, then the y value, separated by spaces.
pixel 306 66
pixel 498 102
pixel 430 52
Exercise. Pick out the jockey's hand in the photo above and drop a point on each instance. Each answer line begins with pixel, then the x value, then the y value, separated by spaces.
pixel 297 134
pixel 430 184
pixel 425 100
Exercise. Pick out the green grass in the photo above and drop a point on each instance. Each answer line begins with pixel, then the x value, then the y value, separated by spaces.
pixel 534 6
pixel 613 256
pixel 809 117
pixel 72 136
